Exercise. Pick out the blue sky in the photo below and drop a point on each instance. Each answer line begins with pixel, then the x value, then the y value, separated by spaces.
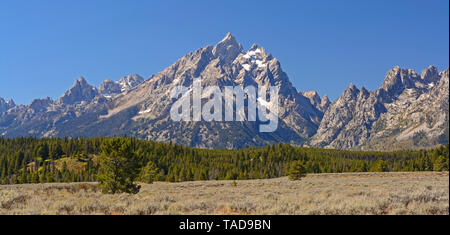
pixel 322 45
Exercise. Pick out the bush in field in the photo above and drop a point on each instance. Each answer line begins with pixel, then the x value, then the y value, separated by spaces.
pixel 297 171
pixel 118 167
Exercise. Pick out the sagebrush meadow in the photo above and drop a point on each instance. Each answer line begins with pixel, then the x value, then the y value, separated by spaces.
pixel 349 193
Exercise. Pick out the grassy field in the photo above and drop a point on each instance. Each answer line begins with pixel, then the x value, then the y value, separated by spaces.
pixel 352 193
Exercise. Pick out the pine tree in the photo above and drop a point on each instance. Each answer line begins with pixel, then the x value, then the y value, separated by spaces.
pixel 43 152
pixel 440 164
pixel 203 175
pixel 118 168
pixel 149 173
pixel 297 171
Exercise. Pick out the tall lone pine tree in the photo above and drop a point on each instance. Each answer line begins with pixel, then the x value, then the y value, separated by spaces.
pixel 118 167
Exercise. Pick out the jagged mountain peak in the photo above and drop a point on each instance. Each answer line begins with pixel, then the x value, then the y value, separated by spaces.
pixel 364 90
pixel 109 87
pixel 325 104
pixel 80 81
pixel 132 78
pixel 430 74
pixel 255 47
pixel 313 96
pixel 79 92
pixel 39 105
pixel 228 37
pixel 397 79
pixel 6 105
pixel 350 93
pixel 11 102
pixel 227 49
pixel 352 88
pixel 321 104
pixel 399 70
pixel 130 81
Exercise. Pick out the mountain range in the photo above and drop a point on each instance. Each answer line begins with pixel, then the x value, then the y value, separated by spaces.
pixel 408 111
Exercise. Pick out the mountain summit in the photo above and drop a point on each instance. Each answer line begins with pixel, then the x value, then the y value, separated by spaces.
pixel 227 49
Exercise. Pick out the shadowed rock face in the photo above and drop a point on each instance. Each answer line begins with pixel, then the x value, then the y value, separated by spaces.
pixel 407 111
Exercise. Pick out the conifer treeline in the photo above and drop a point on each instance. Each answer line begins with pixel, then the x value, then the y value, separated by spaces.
pixel 32 160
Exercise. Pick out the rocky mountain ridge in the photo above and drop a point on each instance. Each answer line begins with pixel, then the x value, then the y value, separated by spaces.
pixel 407 111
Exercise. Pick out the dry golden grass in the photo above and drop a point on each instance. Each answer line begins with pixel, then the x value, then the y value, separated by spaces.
pixel 358 193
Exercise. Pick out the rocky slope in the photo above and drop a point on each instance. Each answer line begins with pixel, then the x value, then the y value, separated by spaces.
pixel 407 111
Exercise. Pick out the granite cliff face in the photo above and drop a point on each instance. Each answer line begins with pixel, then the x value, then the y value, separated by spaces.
pixel 407 111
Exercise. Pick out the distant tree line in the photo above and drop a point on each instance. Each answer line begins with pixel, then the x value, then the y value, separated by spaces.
pixel 32 160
